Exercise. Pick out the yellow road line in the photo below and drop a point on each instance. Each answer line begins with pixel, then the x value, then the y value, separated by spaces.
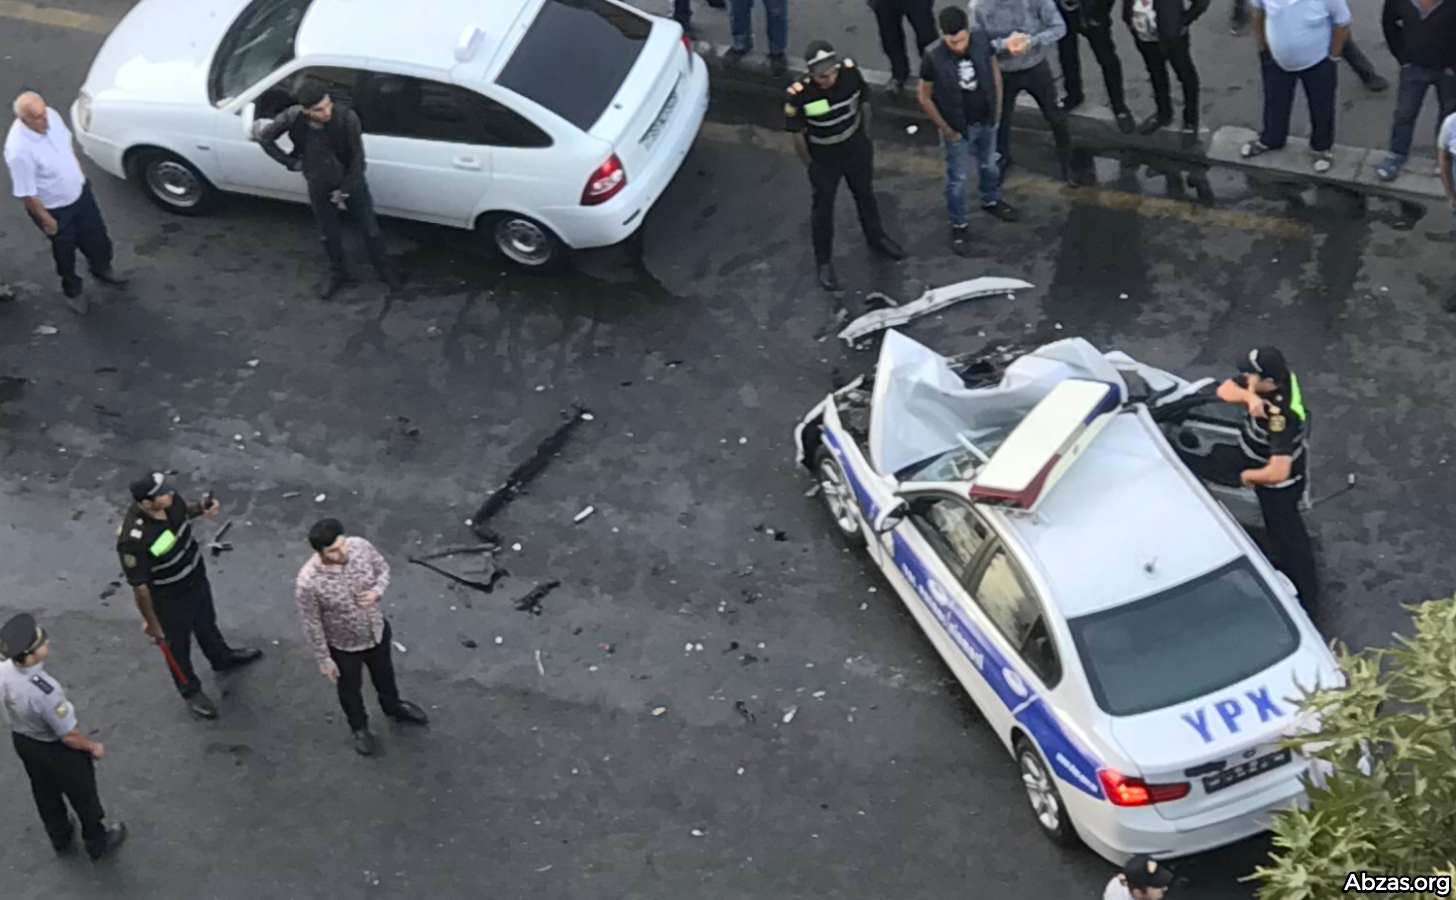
pixel 904 163
pixel 58 18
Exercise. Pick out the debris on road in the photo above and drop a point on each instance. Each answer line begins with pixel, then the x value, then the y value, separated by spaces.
pixel 110 589
pixel 813 491
pixel 582 516
pixel 253 363
pixel 289 495
pixel 523 474
pixel 609 648
pixel 320 498
pixel 539 667
pixel 660 711
pixel 790 713
pixel 46 330
pixel 400 647
pixel 459 550
pixel 217 545
pixel 743 711
pixel 932 300
pixel 468 643
pixel 487 586
pixel 499 640
pixel 516 546
pixel 698 832
pixel 531 603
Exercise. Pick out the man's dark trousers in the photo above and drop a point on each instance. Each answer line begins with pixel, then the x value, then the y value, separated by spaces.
pixel 79 226
pixel 1041 85
pixel 890 15
pixel 186 609
pixel 1320 82
pixel 1099 35
pixel 58 773
pixel 1289 541
pixel 1415 83
pixel 1159 56
pixel 855 165
pixel 360 204
pixel 380 663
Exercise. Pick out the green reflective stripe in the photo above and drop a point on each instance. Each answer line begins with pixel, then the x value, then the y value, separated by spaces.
pixel 164 542
pixel 1296 399
pixel 817 108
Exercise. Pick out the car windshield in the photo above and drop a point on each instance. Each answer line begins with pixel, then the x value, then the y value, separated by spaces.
pixel 259 42
pixel 1185 642
pixel 575 57
pixel 957 463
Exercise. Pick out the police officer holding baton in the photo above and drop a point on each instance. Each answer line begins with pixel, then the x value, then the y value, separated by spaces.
pixel 58 757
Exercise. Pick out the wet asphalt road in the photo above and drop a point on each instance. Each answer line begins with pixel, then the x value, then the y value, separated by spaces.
pixel 696 352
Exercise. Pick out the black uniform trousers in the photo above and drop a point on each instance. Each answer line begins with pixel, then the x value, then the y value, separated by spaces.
pixel 59 773
pixel 1099 35
pixel 890 16
pixel 1041 85
pixel 1159 56
pixel 186 609
pixel 854 163
pixel 380 663
pixel 1289 542
pixel 79 226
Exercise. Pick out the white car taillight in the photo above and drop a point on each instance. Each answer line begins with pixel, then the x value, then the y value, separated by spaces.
pixel 605 183
pixel 83 112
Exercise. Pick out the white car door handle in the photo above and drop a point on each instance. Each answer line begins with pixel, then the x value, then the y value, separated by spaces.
pixel 466 162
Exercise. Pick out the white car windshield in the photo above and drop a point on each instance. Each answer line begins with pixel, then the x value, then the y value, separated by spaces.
pixel 257 44
pixel 1185 642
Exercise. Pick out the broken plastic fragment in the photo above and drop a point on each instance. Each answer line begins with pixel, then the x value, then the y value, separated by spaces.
pixel 320 498
pixel 46 329
pixel 582 516
pixel 790 713
pixel 400 647
pixel 587 417
pixel 660 711
pixel 516 547
pixel 932 300
pixel 254 363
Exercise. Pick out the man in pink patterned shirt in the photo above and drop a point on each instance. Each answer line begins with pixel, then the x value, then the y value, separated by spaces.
pixel 338 594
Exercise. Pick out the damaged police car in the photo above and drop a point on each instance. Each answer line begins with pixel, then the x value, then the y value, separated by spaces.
pixel 1127 641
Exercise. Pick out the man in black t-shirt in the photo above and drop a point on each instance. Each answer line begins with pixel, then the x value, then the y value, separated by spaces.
pixel 960 90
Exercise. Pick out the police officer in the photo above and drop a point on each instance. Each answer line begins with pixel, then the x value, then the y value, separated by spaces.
pixel 1273 440
pixel 60 760
pixel 828 112
pixel 163 563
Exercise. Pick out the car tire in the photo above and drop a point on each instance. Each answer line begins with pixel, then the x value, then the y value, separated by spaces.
pixel 1042 794
pixel 838 497
pixel 525 243
pixel 171 182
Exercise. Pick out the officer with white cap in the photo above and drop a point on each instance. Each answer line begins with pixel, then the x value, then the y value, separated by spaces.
pixel 57 756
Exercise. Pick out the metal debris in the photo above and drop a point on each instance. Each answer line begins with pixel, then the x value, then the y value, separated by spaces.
pixel 459 550
pixel 932 300
pixel 217 545
pixel 487 586
pixel 539 667
pixel 523 474
pixel 531 603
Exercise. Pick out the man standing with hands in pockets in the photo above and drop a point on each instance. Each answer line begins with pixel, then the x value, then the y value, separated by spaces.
pixel 338 593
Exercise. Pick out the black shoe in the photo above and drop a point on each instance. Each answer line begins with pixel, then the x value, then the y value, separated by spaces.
pixel 1125 122
pixel 237 657
pixel 734 56
pixel 1071 102
pixel 115 836
pixel 338 280
pixel 201 706
pixel 888 248
pixel 364 743
pixel 778 65
pixel 1003 211
pixel 828 279
pixel 108 276
pixel 960 240
pixel 1377 84
pixel 1070 176
pixel 64 843
pixel 1189 138
pixel 1154 122
pixel 409 714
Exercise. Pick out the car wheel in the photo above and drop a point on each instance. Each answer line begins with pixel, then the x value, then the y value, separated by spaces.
pixel 838 496
pixel 527 243
pixel 1042 793
pixel 172 182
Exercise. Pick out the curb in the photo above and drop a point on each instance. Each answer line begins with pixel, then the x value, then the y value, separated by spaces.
pixel 1354 167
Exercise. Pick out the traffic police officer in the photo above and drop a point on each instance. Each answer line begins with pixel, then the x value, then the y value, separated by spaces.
pixel 1273 440
pixel 59 759
pixel 163 563
pixel 828 112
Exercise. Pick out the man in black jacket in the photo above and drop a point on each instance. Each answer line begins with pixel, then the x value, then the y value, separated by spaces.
pixel 1092 18
pixel 1422 38
pixel 328 148
pixel 1160 30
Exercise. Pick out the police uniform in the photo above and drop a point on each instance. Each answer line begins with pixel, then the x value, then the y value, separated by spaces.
pixel 1282 432
pixel 40 715
pixel 833 124
pixel 165 556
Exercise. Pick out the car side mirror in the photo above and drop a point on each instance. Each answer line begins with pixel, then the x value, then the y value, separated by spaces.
pixel 1288 585
pixel 889 518
pixel 248 115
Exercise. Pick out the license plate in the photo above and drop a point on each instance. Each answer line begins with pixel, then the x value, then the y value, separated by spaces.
pixel 1244 771
pixel 663 116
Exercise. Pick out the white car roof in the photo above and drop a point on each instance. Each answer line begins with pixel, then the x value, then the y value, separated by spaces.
pixel 1125 522
pixel 409 32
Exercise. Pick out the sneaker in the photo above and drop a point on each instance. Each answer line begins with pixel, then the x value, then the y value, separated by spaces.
pixel 1323 162
pixel 364 743
pixel 1125 122
pixel 1389 168
pixel 201 706
pixel 778 64
pixel 409 714
pixel 237 657
pixel 960 240
pixel 888 248
pixel 1253 148
pixel 1155 122
pixel 1002 210
pixel 828 278
pixel 1189 137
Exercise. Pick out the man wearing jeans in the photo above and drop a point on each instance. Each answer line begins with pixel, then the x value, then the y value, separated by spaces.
pixel 1446 153
pixel 960 90
pixel 740 22
pixel 1300 42
pixel 328 148
pixel 1422 38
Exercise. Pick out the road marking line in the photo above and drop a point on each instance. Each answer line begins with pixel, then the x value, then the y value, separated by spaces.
pixel 58 18
pixel 933 169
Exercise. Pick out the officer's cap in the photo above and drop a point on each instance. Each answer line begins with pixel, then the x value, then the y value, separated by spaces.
pixel 1142 872
pixel 148 487
pixel 20 636
pixel 1267 362
pixel 820 57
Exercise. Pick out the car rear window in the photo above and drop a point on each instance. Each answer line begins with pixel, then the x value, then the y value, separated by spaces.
pixel 575 57
pixel 1184 643
pixel 259 42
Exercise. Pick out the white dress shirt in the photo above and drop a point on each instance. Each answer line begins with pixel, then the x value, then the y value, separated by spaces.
pixel 44 165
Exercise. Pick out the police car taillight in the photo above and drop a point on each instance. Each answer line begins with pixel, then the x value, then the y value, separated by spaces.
pixel 1124 790
pixel 605 183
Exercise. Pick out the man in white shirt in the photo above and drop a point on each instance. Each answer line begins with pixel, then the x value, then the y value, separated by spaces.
pixel 1446 154
pixel 47 179
pixel 1141 879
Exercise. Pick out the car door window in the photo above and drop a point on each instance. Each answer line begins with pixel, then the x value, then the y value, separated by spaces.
pixel 258 43
pixel 952 528
pixel 1003 594
pixel 408 107
pixel 341 84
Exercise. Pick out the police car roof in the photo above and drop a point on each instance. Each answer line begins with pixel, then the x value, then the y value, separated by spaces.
pixel 408 32
pixel 1127 505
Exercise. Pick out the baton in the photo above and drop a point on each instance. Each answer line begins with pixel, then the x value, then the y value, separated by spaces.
pixel 172 664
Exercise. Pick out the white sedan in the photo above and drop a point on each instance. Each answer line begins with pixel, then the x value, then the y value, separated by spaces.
pixel 545 124
pixel 1123 636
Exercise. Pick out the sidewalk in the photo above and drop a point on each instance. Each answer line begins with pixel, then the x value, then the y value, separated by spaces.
pixel 1231 98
